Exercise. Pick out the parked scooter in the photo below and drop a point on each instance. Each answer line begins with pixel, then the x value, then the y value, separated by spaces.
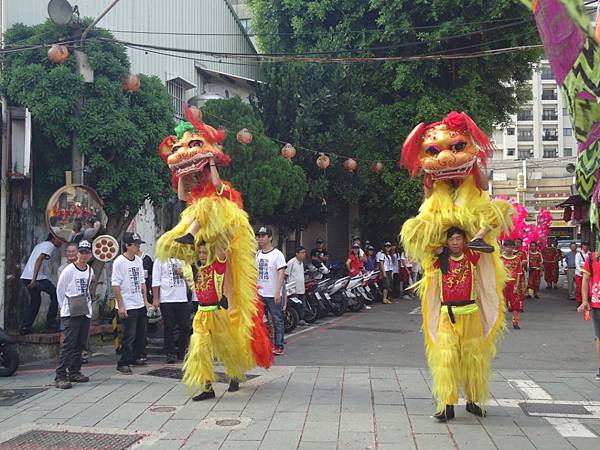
pixel 353 293
pixel 9 357
pixel 333 297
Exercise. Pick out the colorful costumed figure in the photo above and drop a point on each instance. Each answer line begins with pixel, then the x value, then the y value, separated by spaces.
pixel 534 264
pixel 462 288
pixel 572 46
pixel 512 290
pixel 216 222
pixel 551 256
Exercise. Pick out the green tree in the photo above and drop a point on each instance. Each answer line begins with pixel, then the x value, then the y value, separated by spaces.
pixel 271 185
pixel 365 110
pixel 118 132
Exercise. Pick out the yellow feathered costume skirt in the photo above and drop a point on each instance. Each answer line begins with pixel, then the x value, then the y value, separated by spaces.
pixel 459 355
pixel 236 336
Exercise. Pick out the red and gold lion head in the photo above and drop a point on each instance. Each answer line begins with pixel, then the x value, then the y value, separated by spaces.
pixel 448 150
pixel 194 144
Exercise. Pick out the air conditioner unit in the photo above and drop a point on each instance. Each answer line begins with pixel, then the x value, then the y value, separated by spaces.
pixel 199 100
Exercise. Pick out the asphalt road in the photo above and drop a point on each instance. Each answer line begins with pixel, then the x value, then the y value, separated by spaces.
pixel 552 337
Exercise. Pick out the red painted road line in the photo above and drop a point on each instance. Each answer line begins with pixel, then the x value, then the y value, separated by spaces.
pixel 321 329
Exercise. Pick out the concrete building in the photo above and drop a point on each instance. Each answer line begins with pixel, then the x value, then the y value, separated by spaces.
pixel 538 143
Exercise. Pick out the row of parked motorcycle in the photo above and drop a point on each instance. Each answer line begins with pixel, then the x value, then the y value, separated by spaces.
pixel 328 295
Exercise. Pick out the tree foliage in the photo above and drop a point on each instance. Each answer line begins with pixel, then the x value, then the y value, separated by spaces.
pixel 366 110
pixel 271 185
pixel 118 132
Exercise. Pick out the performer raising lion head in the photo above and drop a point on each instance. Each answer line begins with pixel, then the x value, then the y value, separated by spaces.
pixel 454 237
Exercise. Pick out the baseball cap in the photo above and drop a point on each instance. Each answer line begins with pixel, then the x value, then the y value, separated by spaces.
pixel 84 246
pixel 264 230
pixel 320 241
pixel 132 238
pixel 387 244
pixel 356 238
pixel 356 246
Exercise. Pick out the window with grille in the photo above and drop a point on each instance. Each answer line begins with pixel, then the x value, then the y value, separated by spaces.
pixel 177 92
pixel 510 152
pixel 510 131
pixel 568 132
pixel 568 151
pixel 550 152
pixel 525 153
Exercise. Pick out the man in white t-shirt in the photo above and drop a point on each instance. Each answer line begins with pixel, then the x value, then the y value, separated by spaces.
pixel 74 280
pixel 36 281
pixel 128 283
pixel 271 272
pixel 295 272
pixel 170 294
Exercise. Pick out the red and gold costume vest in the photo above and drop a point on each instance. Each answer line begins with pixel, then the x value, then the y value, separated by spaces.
pixel 514 266
pixel 209 283
pixel 458 284
pixel 535 260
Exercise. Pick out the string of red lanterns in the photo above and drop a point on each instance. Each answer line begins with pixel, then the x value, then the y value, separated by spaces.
pixel 288 151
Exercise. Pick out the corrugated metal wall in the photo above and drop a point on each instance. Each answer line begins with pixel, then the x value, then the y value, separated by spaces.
pixel 175 16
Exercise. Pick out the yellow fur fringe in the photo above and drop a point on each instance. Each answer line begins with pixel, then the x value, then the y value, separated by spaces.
pixel 227 231
pixel 470 209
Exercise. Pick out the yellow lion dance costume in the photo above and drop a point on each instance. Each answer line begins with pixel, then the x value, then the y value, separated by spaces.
pixel 460 341
pixel 229 323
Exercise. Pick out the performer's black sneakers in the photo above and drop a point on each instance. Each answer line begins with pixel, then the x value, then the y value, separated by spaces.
pixel 446 415
pixel 187 239
pixel 516 326
pixel 204 395
pixel 234 386
pixel 474 409
pixel 480 246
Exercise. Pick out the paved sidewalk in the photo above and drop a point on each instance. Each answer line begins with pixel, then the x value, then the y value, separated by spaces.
pixel 306 408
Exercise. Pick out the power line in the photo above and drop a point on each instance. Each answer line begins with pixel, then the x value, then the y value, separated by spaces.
pixel 328 52
pixel 308 33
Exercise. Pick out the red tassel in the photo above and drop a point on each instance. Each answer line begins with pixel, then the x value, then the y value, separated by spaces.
pixel 261 341
pixel 214 136
pixel 578 212
pixel 411 148
pixel 480 138
pixel 568 212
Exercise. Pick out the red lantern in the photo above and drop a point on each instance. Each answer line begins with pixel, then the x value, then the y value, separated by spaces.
pixel 58 54
pixel 131 83
pixel 288 151
pixel 244 136
pixel 578 213
pixel 350 165
pixel 567 213
pixel 323 161
pixel 377 167
pixel 196 112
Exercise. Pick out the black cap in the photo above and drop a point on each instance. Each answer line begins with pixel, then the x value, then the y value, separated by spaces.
pixel 356 246
pixel 356 238
pixel 132 238
pixel 320 241
pixel 84 246
pixel 387 244
pixel 264 230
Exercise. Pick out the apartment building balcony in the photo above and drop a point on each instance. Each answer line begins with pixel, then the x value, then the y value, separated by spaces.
pixel 553 117
pixel 550 136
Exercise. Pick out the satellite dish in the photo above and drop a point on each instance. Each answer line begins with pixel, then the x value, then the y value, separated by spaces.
pixel 60 12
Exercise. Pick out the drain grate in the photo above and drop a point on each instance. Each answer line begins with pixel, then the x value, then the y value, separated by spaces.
pixel 67 440
pixel 10 397
pixel 176 374
pixel 370 329
pixel 538 409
